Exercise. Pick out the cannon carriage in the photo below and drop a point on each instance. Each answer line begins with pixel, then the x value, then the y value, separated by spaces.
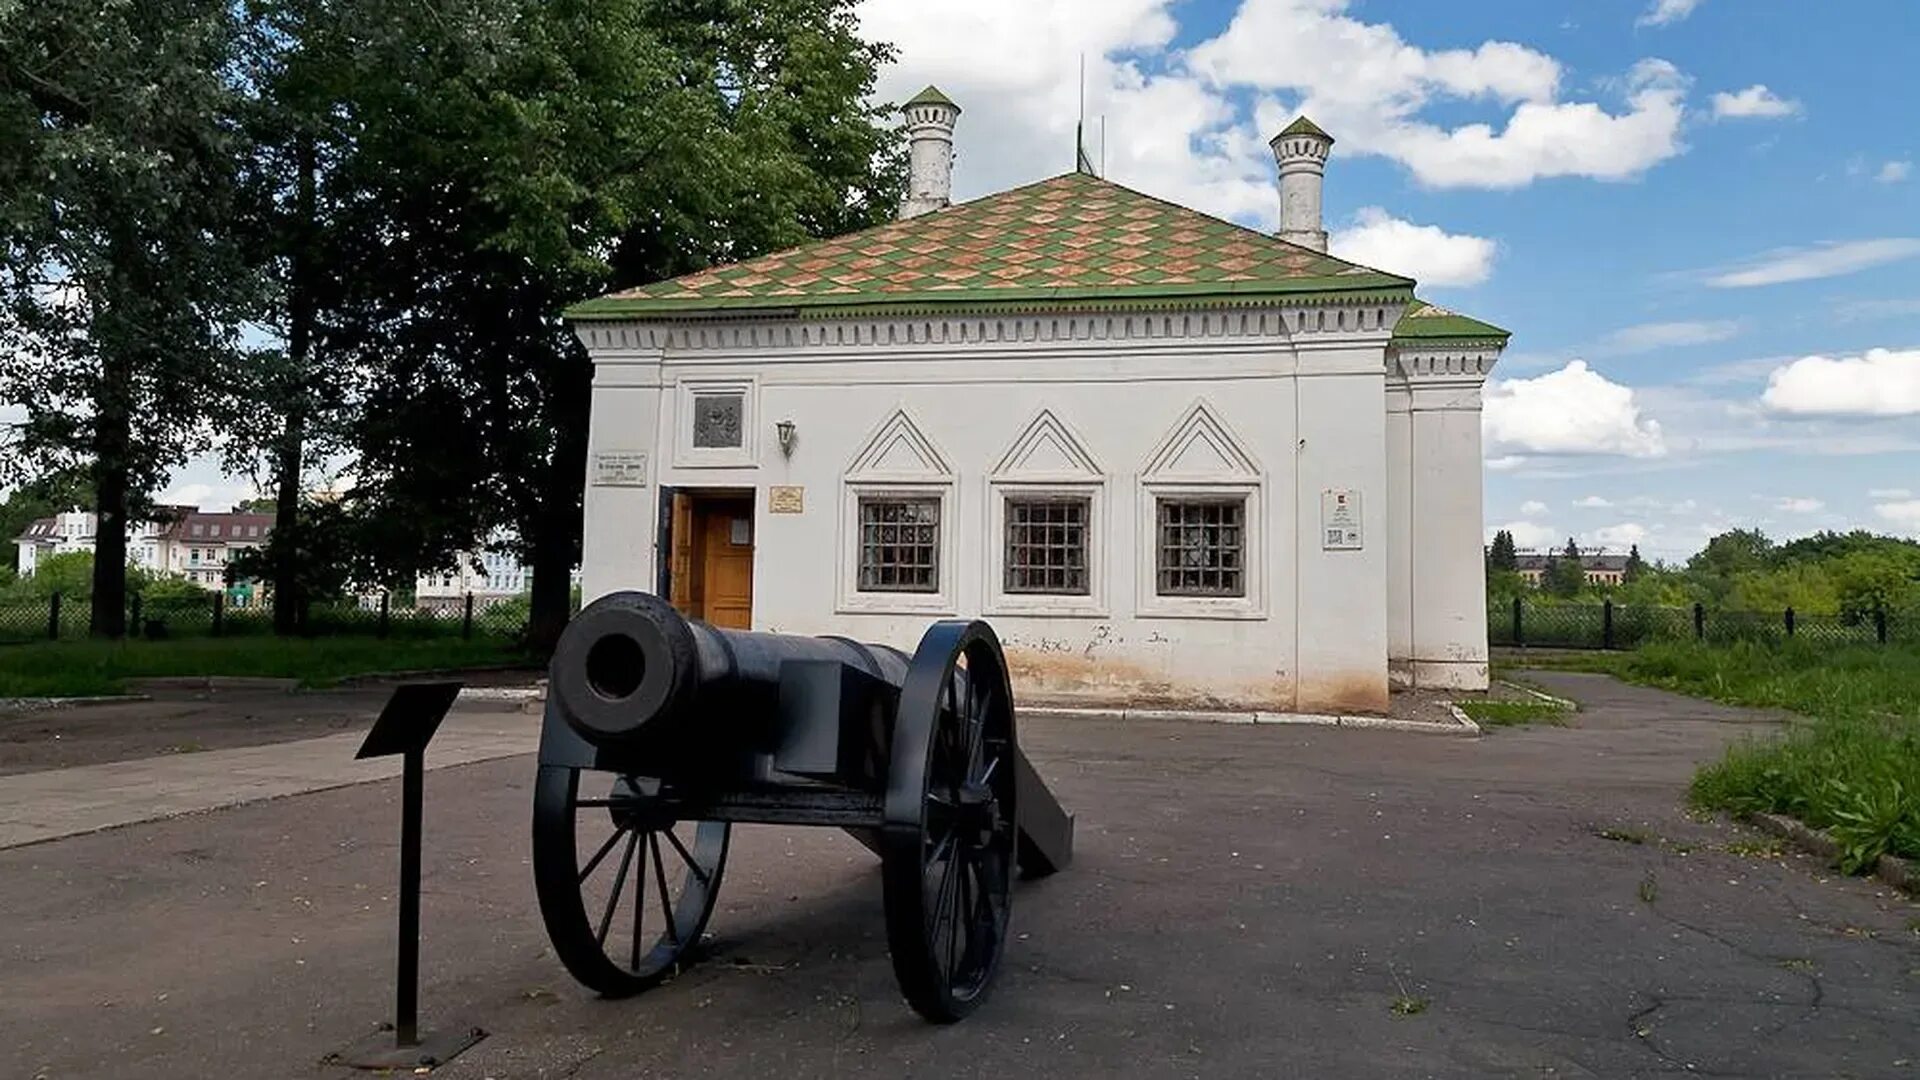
pixel 661 733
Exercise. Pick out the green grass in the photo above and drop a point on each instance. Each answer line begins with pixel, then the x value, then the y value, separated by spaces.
pixel 77 668
pixel 1512 713
pixel 1853 768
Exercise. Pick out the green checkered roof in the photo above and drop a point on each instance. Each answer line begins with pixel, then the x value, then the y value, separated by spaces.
pixel 1431 322
pixel 1070 241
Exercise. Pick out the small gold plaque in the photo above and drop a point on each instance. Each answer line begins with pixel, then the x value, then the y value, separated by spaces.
pixel 785 500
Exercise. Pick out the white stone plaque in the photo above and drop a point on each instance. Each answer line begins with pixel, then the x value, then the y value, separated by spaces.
pixel 786 500
pixel 1340 520
pixel 620 468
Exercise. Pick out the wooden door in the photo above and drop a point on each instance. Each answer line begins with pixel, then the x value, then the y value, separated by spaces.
pixel 682 546
pixel 726 557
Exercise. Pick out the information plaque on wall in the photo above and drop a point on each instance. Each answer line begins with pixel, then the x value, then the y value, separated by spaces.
pixel 785 500
pixel 620 468
pixel 1340 520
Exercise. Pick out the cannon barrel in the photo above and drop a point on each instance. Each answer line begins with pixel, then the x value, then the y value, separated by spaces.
pixel 630 667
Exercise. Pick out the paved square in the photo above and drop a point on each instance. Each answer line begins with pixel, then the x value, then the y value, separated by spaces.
pixel 1247 901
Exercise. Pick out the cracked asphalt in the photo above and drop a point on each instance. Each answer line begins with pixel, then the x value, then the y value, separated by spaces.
pixel 1271 901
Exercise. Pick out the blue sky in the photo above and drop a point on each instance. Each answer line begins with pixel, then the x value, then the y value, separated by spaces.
pixel 1701 218
pixel 1634 207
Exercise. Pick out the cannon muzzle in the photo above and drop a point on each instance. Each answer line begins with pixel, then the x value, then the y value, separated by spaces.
pixel 630 668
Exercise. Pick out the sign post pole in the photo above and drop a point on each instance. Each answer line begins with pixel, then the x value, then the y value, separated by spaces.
pixel 405 727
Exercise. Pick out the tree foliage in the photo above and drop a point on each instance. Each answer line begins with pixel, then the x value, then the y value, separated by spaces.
pixel 1501 554
pixel 123 280
pixel 1565 576
pixel 510 157
pixel 1850 574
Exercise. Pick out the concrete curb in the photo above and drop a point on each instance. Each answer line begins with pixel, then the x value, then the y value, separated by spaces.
pixel 1892 869
pixel 40 704
pixel 1542 695
pixel 164 683
pixel 1377 723
pixel 1460 717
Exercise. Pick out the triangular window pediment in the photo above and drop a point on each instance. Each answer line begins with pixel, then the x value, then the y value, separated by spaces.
pixel 1047 449
pixel 1200 446
pixel 899 449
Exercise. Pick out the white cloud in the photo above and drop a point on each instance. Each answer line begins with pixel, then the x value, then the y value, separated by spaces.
pixel 1881 383
pixel 1647 337
pixel 1532 508
pixel 1890 493
pixel 1592 502
pixel 1664 12
pixel 1798 505
pixel 1859 310
pixel 1904 516
pixel 1426 253
pixel 1755 102
pixel 1527 534
pixel 1811 263
pixel 1367 86
pixel 1013 66
pixel 1621 536
pixel 1575 410
pixel 1893 172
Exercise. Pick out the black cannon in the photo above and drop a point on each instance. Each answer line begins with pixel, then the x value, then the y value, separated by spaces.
pixel 660 733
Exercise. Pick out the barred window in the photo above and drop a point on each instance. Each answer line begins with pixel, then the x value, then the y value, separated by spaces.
pixel 899 545
pixel 1202 547
pixel 1047 545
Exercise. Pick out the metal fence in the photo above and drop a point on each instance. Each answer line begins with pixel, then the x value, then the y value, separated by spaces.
pixel 57 617
pixel 1609 625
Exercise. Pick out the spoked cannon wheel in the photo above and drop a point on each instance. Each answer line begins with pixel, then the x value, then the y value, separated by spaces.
pixel 947 847
pixel 625 890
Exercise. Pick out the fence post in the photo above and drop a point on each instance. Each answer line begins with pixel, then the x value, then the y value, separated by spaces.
pixel 1518 638
pixel 385 599
pixel 53 617
pixel 219 611
pixel 1699 621
pixel 137 624
pixel 466 618
pixel 1789 622
pixel 1606 623
pixel 1880 624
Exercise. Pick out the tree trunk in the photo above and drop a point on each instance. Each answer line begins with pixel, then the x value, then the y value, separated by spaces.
pixel 287 463
pixel 556 529
pixel 112 436
pixel 554 534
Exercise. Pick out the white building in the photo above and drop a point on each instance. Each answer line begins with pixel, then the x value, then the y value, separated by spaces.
pixel 182 541
pixel 489 577
pixel 1172 460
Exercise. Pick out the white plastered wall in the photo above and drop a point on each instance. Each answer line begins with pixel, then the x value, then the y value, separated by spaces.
pixel 1445 616
pixel 1276 406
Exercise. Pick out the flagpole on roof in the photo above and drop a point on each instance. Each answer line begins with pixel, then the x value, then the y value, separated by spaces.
pixel 1081 162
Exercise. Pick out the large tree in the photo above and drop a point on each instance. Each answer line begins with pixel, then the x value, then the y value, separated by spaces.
pixel 513 156
pixel 122 279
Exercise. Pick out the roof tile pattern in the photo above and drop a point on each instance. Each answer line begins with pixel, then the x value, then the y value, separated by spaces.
pixel 1071 237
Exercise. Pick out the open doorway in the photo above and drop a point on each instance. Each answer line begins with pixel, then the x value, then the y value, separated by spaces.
pixel 710 571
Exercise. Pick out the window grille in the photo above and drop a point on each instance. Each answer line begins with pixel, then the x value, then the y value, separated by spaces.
pixel 1047 545
pixel 899 545
pixel 1202 547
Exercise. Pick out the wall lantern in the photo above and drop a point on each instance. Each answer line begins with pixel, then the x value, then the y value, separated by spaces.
pixel 785 428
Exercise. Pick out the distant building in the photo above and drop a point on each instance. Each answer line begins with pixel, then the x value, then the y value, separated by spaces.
pixel 179 541
pixel 490 576
pixel 1600 568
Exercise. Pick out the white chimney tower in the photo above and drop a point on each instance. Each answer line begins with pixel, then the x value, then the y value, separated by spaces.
pixel 1301 151
pixel 930 120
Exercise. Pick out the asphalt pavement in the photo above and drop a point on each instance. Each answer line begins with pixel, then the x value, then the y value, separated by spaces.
pixel 1247 902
